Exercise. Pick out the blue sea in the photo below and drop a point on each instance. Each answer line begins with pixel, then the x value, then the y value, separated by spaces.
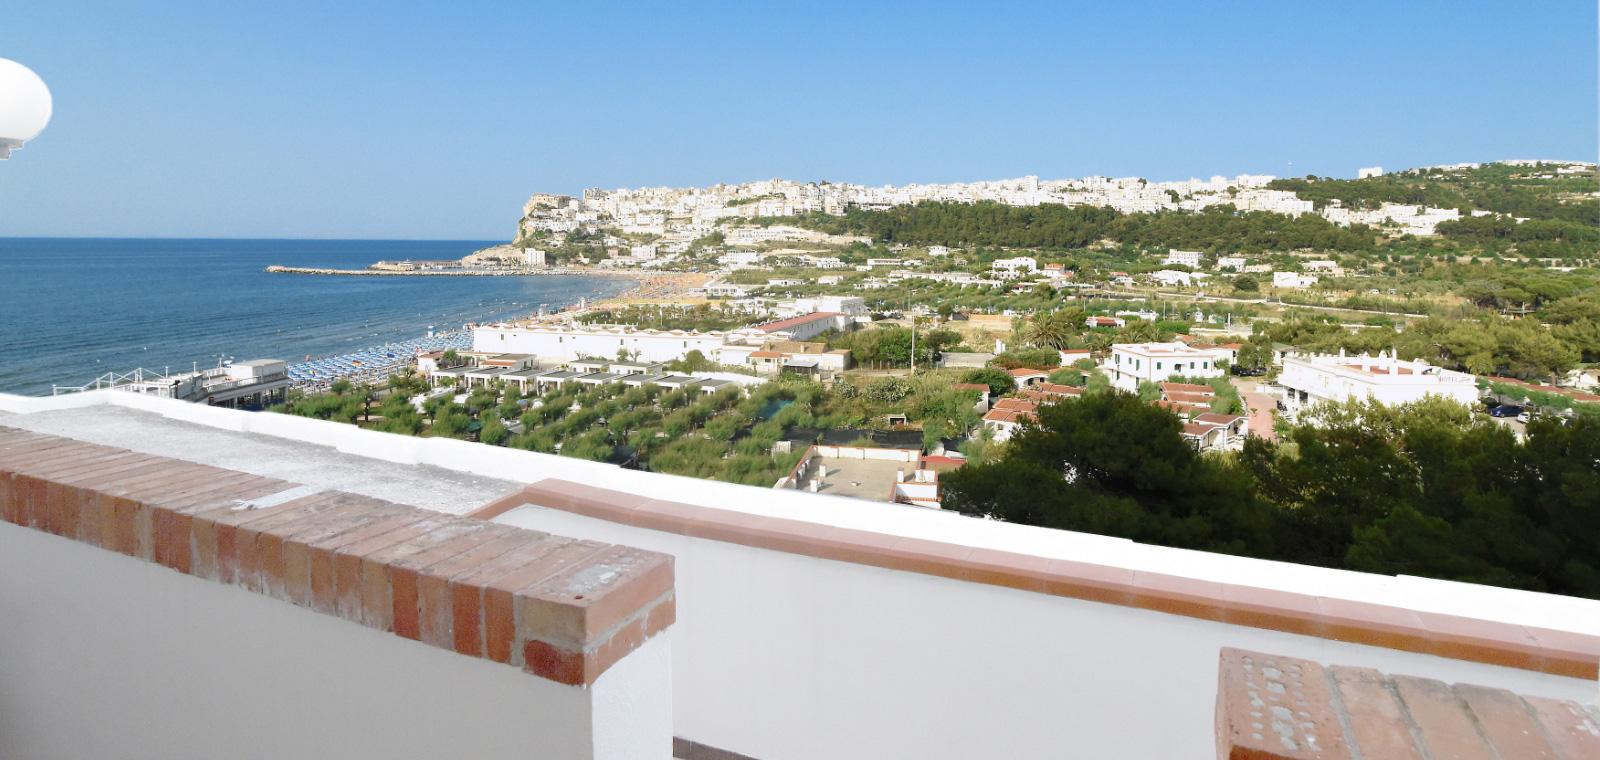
pixel 72 309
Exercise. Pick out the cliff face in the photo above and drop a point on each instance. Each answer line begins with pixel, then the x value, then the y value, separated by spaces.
pixel 499 255
pixel 547 213
pixel 545 201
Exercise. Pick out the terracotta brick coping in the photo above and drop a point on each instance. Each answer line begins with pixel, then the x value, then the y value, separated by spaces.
pixel 559 608
pixel 1270 706
pixel 1516 646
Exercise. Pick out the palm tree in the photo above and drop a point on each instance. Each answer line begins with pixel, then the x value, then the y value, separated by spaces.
pixel 367 393
pixel 1139 332
pixel 1054 329
pixel 1098 342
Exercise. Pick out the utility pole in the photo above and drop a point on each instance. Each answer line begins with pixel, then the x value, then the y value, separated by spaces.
pixel 913 332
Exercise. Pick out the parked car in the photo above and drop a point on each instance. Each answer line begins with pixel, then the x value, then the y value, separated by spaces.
pixel 1505 410
pixel 1523 418
pixel 1247 371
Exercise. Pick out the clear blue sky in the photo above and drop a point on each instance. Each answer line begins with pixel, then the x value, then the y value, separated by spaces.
pixel 401 120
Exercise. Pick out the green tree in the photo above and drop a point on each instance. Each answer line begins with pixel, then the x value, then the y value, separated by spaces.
pixel 1256 353
pixel 1055 329
pixel 494 433
pixel 999 381
pixel 1112 464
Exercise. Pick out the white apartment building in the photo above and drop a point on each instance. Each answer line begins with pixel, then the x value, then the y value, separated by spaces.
pixel 1135 363
pixel 752 235
pixel 739 259
pixel 803 327
pixel 1011 269
pixel 646 252
pixel 727 290
pixel 1293 280
pixel 1236 263
pixel 1369 171
pixel 874 263
pixel 1274 201
pixel 1182 258
pixel 1310 380
pixel 853 306
pixel 1411 219
pixel 1175 277
pixel 938 250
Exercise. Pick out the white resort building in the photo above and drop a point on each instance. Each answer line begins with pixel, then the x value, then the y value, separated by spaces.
pixel 1189 259
pixel 566 342
pixel 1013 268
pixel 1135 363
pixel 1310 380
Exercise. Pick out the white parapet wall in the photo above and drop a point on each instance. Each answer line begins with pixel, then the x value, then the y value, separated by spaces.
pixel 780 655
pixel 776 653
pixel 107 656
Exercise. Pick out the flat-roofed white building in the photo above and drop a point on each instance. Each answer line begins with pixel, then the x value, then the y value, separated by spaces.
pixel 726 290
pixel 1293 280
pixel 1310 380
pixel 739 259
pixel 565 343
pixel 1135 363
pixel 1176 277
pixel 805 326
pixel 1009 269
pixel 1183 258
pixel 854 306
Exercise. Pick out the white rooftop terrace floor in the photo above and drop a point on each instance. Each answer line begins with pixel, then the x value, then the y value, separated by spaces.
pixel 860 478
pixel 424 486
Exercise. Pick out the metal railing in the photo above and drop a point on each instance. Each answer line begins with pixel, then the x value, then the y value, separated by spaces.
pixel 138 376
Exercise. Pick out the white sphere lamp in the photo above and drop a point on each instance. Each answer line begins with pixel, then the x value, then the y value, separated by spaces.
pixel 24 106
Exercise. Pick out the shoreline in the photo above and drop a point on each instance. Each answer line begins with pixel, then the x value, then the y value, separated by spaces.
pixel 563 272
pixel 649 287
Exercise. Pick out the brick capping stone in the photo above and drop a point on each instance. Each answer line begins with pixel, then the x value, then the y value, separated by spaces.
pixel 561 609
pixel 1271 707
pixel 1528 648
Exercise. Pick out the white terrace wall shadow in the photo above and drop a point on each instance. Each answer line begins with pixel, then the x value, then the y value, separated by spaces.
pixel 107 656
pixel 779 655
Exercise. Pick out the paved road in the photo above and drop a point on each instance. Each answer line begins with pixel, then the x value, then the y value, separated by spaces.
pixel 1511 423
pixel 1262 408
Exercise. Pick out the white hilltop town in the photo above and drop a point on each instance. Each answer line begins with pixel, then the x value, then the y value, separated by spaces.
pixel 678 215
